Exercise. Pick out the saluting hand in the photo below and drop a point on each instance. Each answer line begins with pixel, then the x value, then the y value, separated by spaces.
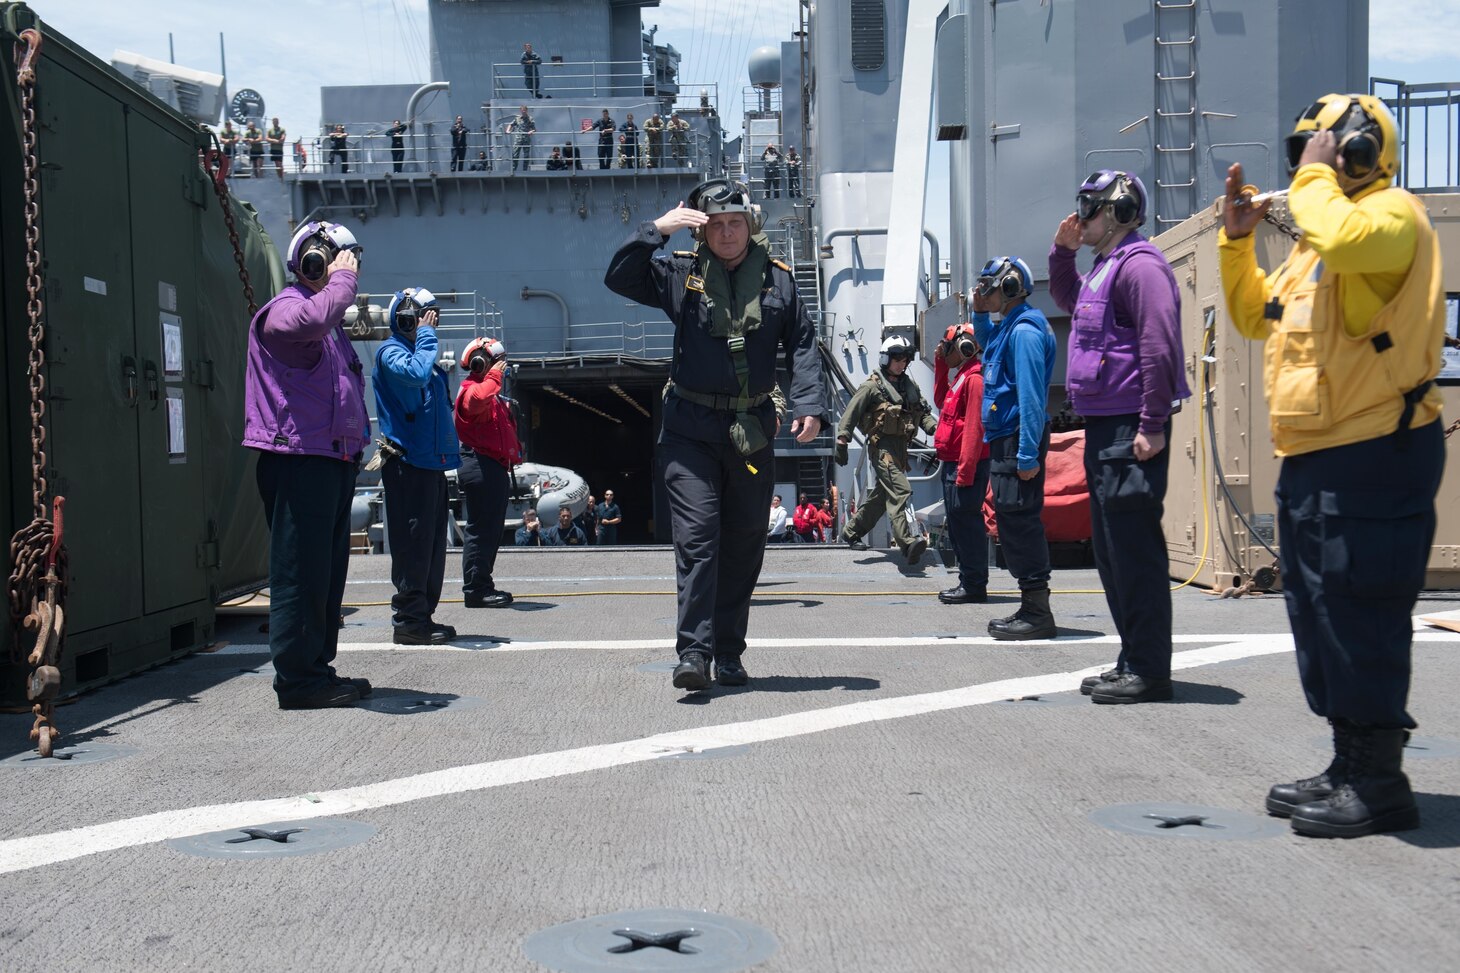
pixel 428 319
pixel 1069 234
pixel 344 260
pixel 680 218
pixel 1240 217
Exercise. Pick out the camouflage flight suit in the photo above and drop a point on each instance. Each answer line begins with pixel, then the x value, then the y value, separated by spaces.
pixel 888 426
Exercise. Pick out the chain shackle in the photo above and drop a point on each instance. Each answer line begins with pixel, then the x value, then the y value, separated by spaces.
pixel 216 164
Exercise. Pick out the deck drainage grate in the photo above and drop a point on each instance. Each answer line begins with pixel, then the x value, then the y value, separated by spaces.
pixel 1048 700
pixel 667 665
pixel 411 704
pixel 278 839
pixel 690 751
pixel 81 753
pixel 1187 821
pixel 651 939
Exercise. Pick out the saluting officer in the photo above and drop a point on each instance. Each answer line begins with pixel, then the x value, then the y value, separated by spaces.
pixel 737 316
pixel 889 410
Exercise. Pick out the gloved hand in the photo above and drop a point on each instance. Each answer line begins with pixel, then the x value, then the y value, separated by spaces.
pixel 839 453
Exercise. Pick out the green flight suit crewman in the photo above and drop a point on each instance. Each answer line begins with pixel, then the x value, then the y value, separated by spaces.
pixel 888 409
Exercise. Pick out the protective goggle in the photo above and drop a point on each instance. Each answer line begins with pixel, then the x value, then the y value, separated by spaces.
pixel 1089 205
pixel 1095 192
pixel 719 192
pixel 1359 146
pixel 408 314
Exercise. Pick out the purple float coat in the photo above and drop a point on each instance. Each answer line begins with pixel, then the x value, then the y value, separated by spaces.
pixel 305 391
pixel 1137 365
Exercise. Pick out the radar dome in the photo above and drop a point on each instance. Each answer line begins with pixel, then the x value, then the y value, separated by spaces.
pixel 765 67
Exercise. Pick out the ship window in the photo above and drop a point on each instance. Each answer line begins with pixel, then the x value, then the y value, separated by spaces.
pixel 869 34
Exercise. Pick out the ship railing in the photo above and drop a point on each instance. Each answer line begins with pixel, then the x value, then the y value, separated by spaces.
pixel 430 151
pixel 646 340
pixel 1429 131
pixel 596 79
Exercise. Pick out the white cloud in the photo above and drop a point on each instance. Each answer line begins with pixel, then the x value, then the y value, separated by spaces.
pixel 1408 31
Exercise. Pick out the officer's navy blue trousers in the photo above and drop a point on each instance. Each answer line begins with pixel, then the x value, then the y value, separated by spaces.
pixel 1355 523
pixel 483 484
pixel 963 514
pixel 718 511
pixel 1126 502
pixel 307 507
pixel 1017 506
pixel 415 522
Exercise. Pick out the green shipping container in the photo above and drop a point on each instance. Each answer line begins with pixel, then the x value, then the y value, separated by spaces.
pixel 146 336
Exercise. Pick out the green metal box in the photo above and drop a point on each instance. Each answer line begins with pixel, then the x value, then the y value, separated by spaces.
pixel 145 336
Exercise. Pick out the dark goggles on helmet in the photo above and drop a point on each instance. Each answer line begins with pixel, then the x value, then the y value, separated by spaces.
pixel 719 192
pixel 1360 147
pixel 1089 205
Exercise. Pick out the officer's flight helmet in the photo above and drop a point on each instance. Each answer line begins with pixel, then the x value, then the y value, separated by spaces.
pixel 314 247
pixel 1368 138
pixel 407 307
pixel 895 346
pixel 1005 278
pixel 725 196
pixel 1124 193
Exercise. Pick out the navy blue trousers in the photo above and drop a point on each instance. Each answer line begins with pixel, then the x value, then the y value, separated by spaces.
pixel 1017 506
pixel 1127 499
pixel 717 509
pixel 307 507
pixel 415 521
pixel 484 485
pixel 963 514
pixel 1356 523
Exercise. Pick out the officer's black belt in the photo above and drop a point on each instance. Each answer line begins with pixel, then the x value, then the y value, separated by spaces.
pixel 720 403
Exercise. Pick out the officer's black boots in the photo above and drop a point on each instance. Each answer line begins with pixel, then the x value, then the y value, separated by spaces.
pixel 693 671
pixel 729 672
pixel 1283 799
pixel 1090 683
pixel 1127 687
pixel 1374 795
pixel 1033 620
pixel 963 596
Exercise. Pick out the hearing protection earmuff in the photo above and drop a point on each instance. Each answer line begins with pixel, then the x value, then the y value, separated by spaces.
pixel 960 336
pixel 1006 277
pixel 1113 188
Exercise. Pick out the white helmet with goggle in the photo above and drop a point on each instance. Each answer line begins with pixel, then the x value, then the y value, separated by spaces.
pixel 726 196
pixel 407 307
pixel 315 246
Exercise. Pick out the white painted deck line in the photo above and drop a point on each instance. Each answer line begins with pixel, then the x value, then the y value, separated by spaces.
pixel 487 644
pixel 20 854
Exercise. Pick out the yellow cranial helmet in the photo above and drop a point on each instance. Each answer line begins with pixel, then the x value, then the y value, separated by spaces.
pixel 1368 138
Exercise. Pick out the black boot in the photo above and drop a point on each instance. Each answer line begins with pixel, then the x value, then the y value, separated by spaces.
pixel 1033 620
pixel 1283 799
pixel 1090 683
pixel 693 671
pixel 729 672
pixel 1374 796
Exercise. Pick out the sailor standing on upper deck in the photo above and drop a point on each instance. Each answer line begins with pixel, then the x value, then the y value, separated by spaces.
pixel 737 316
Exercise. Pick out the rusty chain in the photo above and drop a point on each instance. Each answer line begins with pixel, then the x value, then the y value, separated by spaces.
pixel 216 164
pixel 38 560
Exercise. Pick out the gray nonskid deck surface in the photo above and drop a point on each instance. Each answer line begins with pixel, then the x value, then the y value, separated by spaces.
pixel 948 840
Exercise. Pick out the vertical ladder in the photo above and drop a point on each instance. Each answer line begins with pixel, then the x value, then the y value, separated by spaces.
pixel 1175 111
